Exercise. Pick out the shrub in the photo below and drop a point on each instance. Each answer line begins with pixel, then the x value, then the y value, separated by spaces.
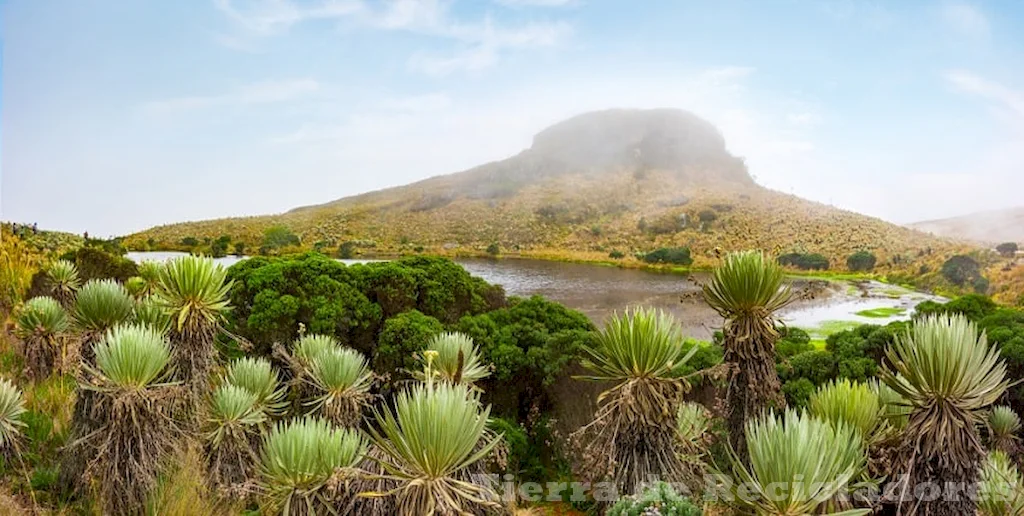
pixel 279 236
pixel 659 499
pixel 973 306
pixel 798 392
pixel 861 261
pixel 792 342
pixel 494 249
pixel 961 270
pixel 670 255
pixel 189 242
pixel 818 366
pixel 615 254
pixel 1007 249
pixel 402 338
pixel 707 216
pixel 93 264
pixel 528 344
pixel 273 296
pixel 347 250
pixel 812 261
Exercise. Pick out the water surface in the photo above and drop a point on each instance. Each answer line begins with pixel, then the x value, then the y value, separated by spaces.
pixel 599 291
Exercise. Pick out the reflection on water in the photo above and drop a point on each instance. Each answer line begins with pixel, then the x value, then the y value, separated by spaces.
pixel 599 291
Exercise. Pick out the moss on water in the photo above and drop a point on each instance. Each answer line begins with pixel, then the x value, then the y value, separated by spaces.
pixel 882 312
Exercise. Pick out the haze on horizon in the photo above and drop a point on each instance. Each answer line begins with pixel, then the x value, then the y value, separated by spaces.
pixel 121 115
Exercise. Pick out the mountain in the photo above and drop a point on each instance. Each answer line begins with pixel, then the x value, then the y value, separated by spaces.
pixel 615 180
pixel 990 227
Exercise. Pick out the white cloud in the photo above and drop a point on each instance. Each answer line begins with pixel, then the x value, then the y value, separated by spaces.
pixel 968 82
pixel 272 16
pixel 480 43
pixel 965 19
pixel 266 92
pixel 538 3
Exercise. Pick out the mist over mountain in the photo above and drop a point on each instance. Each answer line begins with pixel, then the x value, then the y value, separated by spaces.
pixel 988 227
pixel 623 180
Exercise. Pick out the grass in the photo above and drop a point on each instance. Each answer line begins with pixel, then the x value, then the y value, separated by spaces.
pixel 826 328
pixel 882 312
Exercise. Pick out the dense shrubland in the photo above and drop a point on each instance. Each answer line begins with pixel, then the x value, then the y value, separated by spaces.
pixel 295 384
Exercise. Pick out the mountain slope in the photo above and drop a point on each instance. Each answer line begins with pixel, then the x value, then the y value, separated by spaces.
pixel 625 180
pixel 992 227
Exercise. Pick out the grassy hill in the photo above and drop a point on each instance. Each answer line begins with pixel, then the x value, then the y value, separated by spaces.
pixel 989 227
pixel 620 180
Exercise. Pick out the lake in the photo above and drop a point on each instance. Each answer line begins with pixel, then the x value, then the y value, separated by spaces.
pixel 599 291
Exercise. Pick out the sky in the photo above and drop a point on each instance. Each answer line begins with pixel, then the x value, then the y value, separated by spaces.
pixel 117 115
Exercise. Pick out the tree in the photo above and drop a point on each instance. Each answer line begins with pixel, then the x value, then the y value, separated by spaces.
pixel 494 249
pixel 1007 249
pixel 747 290
pixel 279 236
pixel 961 270
pixel 189 241
pixel 239 248
pixel 861 261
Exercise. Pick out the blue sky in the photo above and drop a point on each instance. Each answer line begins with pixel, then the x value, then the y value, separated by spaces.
pixel 122 114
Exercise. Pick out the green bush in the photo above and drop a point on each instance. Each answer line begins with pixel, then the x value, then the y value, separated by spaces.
pixel 818 366
pixel 279 236
pixel 798 392
pixel 94 263
pixel 658 499
pixel 189 241
pixel 812 261
pixel 961 270
pixel 529 343
pixel 271 297
pixel 615 254
pixel 494 249
pixel 973 306
pixel 792 342
pixel 402 338
pixel 861 261
pixel 671 255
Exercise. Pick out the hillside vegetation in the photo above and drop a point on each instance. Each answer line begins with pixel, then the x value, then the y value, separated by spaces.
pixel 619 182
